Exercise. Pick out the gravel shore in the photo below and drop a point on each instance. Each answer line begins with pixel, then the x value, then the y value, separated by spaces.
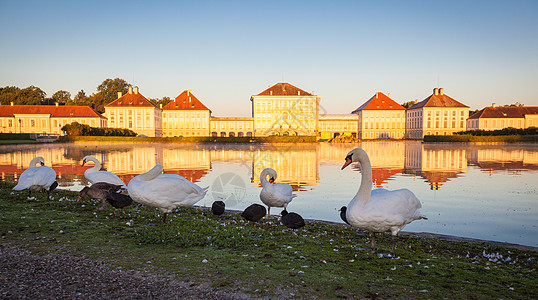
pixel 25 275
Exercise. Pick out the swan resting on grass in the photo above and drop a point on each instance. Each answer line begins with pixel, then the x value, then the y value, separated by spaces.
pixel 164 191
pixel 37 177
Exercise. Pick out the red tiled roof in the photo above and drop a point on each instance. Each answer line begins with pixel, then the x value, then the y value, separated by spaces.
pixel 439 100
pixel 185 101
pixel 62 111
pixel 505 112
pixel 284 89
pixel 379 101
pixel 131 100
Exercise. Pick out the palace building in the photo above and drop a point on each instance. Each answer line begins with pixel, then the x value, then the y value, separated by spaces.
pixel 331 126
pixel 133 111
pixel 381 118
pixel 438 114
pixel 231 126
pixel 498 117
pixel 186 116
pixel 46 119
pixel 284 109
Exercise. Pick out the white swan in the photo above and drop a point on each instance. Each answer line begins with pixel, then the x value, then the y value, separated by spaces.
pixel 379 210
pixel 37 178
pixel 274 195
pixel 94 175
pixel 164 191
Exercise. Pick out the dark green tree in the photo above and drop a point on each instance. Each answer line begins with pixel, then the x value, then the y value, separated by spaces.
pixel 61 97
pixel 8 94
pixel 31 96
pixel 408 104
pixel 163 101
pixel 110 87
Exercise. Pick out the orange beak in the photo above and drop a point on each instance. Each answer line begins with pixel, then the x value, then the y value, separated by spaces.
pixel 271 180
pixel 347 163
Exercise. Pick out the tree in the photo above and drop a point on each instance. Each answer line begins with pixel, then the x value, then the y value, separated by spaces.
pixel 409 104
pixel 515 104
pixel 8 94
pixel 163 101
pixel 62 97
pixel 110 87
pixel 31 96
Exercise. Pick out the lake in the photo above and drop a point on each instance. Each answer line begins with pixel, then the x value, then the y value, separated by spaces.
pixel 487 191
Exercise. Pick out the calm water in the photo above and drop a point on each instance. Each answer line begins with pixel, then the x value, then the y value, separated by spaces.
pixel 479 191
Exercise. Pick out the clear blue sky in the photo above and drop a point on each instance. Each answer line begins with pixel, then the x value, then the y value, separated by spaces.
pixel 225 51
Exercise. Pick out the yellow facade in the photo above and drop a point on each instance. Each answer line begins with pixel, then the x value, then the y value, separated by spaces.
pixel 495 118
pixel 381 124
pixel 46 119
pixel 185 123
pixel 231 127
pixel 331 126
pixel 284 109
pixel 133 111
pixel 435 121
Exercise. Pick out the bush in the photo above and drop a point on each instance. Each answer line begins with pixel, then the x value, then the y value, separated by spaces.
pixel 77 129
pixel 504 131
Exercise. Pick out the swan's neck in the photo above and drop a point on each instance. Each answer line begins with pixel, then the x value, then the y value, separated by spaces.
pixel 365 189
pixel 96 167
pixel 263 178
pixel 151 174
pixel 35 161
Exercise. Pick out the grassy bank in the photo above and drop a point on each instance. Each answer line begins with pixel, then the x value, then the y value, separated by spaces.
pixel 480 139
pixel 16 138
pixel 318 260
pixel 124 139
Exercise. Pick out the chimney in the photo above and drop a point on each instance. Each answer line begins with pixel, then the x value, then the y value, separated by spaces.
pixel 440 91
pixel 271 93
pixel 12 103
pixel 56 104
pixel 388 95
pixel 436 91
pixel 492 104
pixel 189 94
pixel 130 89
pixel 298 93
pixel 119 94
pixel 376 95
pixel 136 90
pixel 189 99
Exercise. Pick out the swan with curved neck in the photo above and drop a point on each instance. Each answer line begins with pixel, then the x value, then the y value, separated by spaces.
pixel 379 210
pixel 37 177
pixel 164 191
pixel 94 174
pixel 274 194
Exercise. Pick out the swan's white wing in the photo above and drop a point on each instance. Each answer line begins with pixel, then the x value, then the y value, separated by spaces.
pixel 103 176
pixel 387 209
pixel 166 192
pixel 278 194
pixel 41 177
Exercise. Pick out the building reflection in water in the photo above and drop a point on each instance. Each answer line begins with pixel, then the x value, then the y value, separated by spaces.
pixel 297 165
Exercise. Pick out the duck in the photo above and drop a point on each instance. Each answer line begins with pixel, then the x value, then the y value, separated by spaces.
pixel 99 190
pixel 218 208
pixel 95 174
pixel 291 220
pixel 164 191
pixel 37 177
pixel 274 194
pixel 379 210
pixel 254 212
pixel 118 200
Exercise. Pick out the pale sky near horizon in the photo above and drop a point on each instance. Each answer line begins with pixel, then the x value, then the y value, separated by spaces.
pixel 225 51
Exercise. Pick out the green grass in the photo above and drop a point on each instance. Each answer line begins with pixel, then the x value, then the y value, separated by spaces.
pixel 318 260
pixel 114 139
